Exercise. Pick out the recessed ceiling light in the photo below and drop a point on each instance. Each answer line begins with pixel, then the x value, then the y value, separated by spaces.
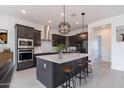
pixel 73 15
pixel 77 22
pixel 23 11
pixel 62 14
pixel 50 21
pixel 103 26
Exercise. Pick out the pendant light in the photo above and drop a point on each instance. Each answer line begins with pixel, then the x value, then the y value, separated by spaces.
pixel 83 35
pixel 64 27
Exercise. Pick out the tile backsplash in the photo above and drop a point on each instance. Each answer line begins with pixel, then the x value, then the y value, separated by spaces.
pixel 45 47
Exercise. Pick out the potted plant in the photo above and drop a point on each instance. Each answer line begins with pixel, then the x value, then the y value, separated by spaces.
pixel 60 48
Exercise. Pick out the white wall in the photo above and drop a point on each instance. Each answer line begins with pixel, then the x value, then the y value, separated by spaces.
pixel 117 48
pixel 105 35
pixel 8 22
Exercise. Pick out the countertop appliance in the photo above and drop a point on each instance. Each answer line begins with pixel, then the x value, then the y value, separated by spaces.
pixel 25 43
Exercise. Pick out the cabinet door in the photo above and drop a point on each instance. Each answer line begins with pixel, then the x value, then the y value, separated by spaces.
pixel 57 39
pixel 30 33
pixel 24 31
pixel 20 31
pixel 37 38
pixel 72 40
pixel 54 38
pixel 60 39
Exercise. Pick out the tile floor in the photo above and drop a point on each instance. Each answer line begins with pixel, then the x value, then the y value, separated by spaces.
pixel 103 77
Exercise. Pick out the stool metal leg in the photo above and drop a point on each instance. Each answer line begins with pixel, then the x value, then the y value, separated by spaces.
pixel 73 82
pixel 80 79
pixel 68 83
pixel 85 75
pixel 90 70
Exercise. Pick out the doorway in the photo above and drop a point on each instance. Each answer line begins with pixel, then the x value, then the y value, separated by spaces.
pixel 102 35
pixel 99 44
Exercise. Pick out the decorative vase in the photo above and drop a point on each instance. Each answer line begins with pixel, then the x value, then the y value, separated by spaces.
pixel 60 55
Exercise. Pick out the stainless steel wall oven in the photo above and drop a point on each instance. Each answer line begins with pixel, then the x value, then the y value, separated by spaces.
pixel 25 55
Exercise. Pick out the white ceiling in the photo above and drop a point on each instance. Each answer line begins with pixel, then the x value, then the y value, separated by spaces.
pixel 41 14
pixel 106 26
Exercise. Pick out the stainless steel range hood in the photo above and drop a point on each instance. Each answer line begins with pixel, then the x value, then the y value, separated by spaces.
pixel 46 31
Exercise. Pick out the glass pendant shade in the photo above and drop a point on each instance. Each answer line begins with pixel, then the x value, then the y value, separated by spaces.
pixel 64 28
pixel 83 35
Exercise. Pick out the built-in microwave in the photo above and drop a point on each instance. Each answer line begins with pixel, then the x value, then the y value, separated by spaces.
pixel 25 43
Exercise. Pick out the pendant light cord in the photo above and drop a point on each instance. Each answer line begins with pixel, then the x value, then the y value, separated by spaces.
pixel 83 36
pixel 64 27
pixel 83 21
pixel 64 12
pixel 64 15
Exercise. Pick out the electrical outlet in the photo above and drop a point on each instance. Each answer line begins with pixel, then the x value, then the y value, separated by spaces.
pixel 44 65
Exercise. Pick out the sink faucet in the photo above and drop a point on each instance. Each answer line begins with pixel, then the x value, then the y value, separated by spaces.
pixel 69 50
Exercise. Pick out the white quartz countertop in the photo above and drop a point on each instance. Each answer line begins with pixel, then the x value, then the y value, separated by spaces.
pixel 66 57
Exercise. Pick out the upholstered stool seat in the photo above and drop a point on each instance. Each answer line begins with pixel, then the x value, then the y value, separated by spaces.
pixel 82 74
pixel 68 76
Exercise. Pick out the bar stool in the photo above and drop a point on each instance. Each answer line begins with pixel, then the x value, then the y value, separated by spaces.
pixel 82 73
pixel 90 70
pixel 68 77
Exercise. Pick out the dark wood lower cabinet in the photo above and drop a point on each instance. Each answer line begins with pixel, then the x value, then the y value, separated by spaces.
pixel 25 65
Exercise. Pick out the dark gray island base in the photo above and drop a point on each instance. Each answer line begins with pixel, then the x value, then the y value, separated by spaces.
pixel 49 70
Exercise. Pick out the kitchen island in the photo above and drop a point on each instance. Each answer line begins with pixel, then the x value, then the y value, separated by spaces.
pixel 49 68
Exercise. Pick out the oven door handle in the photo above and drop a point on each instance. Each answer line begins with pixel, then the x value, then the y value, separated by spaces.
pixel 25 52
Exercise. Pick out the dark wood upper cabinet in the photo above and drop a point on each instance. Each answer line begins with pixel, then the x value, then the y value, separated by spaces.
pixel 80 44
pixel 77 40
pixel 68 40
pixel 57 39
pixel 37 38
pixel 24 31
pixel 28 33
pixel 72 40
pixel 54 38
